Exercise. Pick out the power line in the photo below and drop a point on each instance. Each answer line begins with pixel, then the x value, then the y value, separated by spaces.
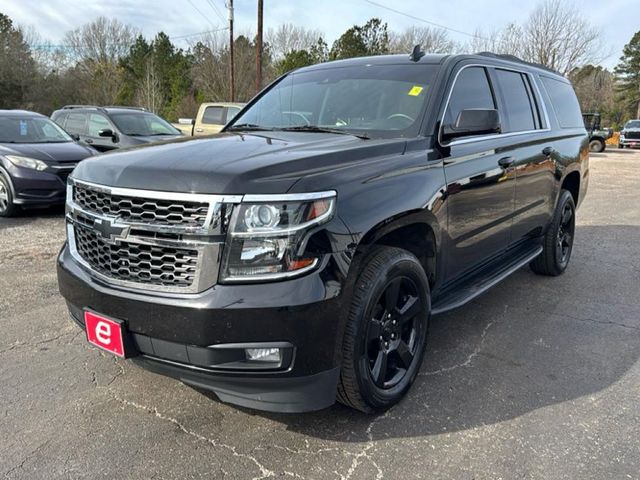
pixel 424 21
pixel 217 10
pixel 200 12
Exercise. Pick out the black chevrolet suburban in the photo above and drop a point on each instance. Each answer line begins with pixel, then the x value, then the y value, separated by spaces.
pixel 297 257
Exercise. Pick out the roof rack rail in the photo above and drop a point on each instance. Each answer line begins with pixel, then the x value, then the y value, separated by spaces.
pixel 513 58
pixel 71 107
pixel 126 107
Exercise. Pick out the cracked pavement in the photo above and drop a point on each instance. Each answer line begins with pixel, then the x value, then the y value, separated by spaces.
pixel 538 378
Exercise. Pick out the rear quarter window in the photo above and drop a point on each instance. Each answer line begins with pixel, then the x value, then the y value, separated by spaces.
pixel 564 102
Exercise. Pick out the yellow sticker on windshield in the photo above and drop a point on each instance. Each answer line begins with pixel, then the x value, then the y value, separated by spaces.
pixel 415 91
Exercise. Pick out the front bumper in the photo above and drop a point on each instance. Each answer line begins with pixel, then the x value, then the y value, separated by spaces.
pixel 629 142
pixel 176 335
pixel 38 188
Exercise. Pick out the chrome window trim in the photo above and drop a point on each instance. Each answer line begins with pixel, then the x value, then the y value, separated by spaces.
pixel 480 138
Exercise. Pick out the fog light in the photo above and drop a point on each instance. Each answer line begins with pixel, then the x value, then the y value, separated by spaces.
pixel 264 354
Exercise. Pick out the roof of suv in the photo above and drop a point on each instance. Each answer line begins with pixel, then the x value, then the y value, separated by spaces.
pixel 106 109
pixel 432 59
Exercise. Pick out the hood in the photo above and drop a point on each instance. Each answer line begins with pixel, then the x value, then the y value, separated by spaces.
pixel 232 163
pixel 48 152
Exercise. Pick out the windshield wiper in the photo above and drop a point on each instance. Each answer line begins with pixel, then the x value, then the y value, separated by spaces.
pixel 316 128
pixel 249 127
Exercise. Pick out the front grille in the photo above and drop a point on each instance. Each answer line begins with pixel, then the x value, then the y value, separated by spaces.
pixel 135 262
pixel 633 135
pixel 140 209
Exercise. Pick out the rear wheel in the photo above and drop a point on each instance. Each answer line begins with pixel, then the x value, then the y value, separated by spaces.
pixel 558 241
pixel 386 331
pixel 596 145
pixel 7 208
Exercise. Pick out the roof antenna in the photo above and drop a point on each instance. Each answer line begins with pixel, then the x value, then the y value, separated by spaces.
pixel 416 54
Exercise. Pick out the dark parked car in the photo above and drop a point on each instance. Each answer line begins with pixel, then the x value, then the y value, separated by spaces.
pixel 630 135
pixel 36 157
pixel 109 128
pixel 298 256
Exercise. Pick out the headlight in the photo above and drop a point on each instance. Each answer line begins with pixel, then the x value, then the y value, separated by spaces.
pixel 268 235
pixel 27 162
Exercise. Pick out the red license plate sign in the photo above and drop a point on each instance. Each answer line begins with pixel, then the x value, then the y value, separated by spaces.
pixel 104 333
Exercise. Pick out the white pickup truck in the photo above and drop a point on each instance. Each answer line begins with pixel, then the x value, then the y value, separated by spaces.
pixel 210 119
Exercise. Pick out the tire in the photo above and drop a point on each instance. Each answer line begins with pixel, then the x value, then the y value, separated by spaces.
pixel 620 145
pixel 383 347
pixel 597 146
pixel 558 241
pixel 7 208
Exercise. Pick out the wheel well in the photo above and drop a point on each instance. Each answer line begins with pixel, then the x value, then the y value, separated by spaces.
pixel 417 238
pixel 572 183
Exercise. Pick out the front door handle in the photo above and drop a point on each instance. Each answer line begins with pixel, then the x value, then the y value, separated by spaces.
pixel 88 140
pixel 506 162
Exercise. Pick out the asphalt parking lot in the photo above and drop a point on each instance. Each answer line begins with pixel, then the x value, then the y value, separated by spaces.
pixel 538 378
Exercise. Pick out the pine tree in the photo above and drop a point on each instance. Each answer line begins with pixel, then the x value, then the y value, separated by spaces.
pixel 628 73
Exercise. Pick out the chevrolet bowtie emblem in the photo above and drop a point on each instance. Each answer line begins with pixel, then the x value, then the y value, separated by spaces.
pixel 110 230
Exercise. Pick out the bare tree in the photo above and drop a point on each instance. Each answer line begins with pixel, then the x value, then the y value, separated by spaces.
pixel 555 36
pixel 432 40
pixel 288 37
pixel 507 41
pixel 150 94
pixel 95 50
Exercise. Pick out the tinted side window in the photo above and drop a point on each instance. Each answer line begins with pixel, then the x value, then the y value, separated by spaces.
pixel 76 123
pixel 564 102
pixel 471 90
pixel 518 110
pixel 96 123
pixel 213 115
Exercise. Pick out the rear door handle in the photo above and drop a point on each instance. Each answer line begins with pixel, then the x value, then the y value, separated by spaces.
pixel 547 151
pixel 88 140
pixel 200 130
pixel 506 162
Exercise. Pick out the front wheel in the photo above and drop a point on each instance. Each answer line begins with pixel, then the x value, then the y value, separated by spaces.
pixel 7 208
pixel 386 331
pixel 596 146
pixel 558 241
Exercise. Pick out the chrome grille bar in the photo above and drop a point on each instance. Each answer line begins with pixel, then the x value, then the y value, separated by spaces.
pixel 148 240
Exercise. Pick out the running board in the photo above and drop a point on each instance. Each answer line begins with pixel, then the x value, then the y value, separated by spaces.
pixel 482 281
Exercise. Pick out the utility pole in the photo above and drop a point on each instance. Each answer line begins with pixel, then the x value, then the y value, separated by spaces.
pixel 232 92
pixel 259 48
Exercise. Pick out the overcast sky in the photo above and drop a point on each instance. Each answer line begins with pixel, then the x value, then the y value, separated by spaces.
pixel 618 19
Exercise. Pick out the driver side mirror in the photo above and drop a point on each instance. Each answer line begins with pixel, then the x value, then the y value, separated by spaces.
pixel 473 121
pixel 107 132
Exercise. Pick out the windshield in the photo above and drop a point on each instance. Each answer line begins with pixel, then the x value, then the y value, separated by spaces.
pixel 378 100
pixel 140 124
pixel 633 124
pixel 31 130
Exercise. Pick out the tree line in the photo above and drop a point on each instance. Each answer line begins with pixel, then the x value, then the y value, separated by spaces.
pixel 106 62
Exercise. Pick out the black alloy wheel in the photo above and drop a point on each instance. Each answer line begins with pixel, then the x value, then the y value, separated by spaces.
pixel 565 234
pixel 393 332
pixel 558 240
pixel 386 330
